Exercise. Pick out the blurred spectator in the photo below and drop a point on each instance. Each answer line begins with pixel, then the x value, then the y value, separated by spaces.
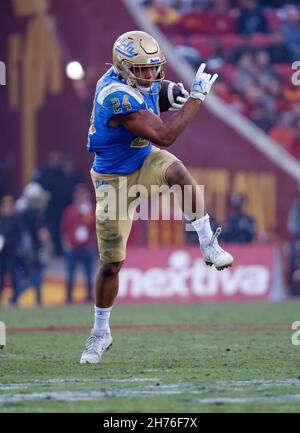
pixel 293 226
pixel 240 227
pixel 48 174
pixel 296 146
pixel 274 86
pixel 258 88
pixel 283 131
pixel 59 177
pixel 245 48
pixel 258 107
pixel 246 71
pixel 294 217
pixel 217 59
pixel 251 19
pixel 51 179
pixel 161 13
pixel 78 231
pixel 278 50
pixel 262 61
pixel 291 30
pixel 71 178
pixel 6 167
pixel 11 248
pixel 3 186
pixel 31 208
pixel 295 268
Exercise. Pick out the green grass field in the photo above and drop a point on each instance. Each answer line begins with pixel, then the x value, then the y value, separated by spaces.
pixel 235 357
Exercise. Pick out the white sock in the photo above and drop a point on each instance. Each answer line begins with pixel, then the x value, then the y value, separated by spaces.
pixel 101 323
pixel 203 229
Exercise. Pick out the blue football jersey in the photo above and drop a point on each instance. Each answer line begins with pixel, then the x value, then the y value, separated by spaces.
pixel 117 150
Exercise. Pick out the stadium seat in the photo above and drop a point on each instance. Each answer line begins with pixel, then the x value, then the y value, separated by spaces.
pixel 230 43
pixel 208 23
pixel 193 23
pixel 261 40
pixel 220 24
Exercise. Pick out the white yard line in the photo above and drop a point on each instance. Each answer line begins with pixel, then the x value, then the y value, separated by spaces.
pixel 236 385
pixel 283 398
pixel 76 396
pixel 37 383
pixel 193 392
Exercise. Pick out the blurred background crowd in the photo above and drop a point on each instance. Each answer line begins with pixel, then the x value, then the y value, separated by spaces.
pixel 53 218
pixel 252 46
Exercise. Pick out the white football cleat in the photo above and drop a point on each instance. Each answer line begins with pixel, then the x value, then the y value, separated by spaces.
pixel 213 254
pixel 95 347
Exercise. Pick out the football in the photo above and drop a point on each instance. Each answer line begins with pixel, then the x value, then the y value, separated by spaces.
pixel 168 93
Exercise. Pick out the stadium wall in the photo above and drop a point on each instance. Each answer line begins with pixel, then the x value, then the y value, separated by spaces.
pixel 44 111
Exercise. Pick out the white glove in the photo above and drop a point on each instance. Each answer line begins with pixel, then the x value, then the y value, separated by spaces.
pixel 180 100
pixel 202 83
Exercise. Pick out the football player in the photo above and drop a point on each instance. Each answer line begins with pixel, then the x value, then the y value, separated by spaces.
pixel 125 123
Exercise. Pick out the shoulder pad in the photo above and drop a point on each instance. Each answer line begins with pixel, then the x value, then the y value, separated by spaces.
pixel 119 87
pixel 119 99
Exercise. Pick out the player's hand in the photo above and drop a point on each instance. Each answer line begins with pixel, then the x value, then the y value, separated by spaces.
pixel 202 83
pixel 180 100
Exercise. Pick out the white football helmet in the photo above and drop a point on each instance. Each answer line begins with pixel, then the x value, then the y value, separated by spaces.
pixel 138 50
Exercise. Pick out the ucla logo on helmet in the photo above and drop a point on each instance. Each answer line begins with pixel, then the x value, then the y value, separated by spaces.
pixel 126 48
pixel 153 60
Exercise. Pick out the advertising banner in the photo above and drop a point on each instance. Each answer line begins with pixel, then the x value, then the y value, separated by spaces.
pixel 180 275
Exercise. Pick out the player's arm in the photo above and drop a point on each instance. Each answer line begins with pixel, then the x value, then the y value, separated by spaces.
pixel 146 124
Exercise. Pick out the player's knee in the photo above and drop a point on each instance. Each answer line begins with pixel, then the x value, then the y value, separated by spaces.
pixel 177 174
pixel 109 270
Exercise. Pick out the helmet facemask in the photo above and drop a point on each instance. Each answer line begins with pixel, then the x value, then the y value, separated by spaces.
pixel 145 85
